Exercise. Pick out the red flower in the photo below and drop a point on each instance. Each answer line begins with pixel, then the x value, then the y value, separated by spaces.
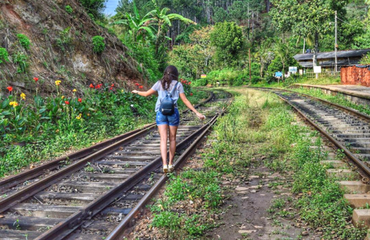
pixel 141 87
pixel 189 83
pixel 112 85
pixel 111 88
pixel 91 85
pixel 191 94
pixel 10 88
pixel 137 84
pixel 80 100
pixel 98 86
pixel 36 79
pixel 66 102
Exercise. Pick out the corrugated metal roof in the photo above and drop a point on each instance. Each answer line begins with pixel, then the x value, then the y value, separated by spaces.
pixel 331 55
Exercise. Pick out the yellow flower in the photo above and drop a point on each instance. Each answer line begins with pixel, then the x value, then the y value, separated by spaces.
pixel 23 96
pixel 62 97
pixel 79 116
pixel 88 114
pixel 14 104
pixel 57 82
pixel 122 91
pixel 74 90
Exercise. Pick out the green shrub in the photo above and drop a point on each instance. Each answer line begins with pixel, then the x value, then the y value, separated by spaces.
pixel 4 55
pixel 200 82
pixel 64 39
pixel 24 41
pixel 365 59
pixel 239 80
pixel 69 9
pixel 99 45
pixel 270 79
pixel 255 79
pixel 21 60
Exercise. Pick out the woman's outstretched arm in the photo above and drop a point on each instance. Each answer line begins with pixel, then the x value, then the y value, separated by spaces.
pixel 145 94
pixel 190 106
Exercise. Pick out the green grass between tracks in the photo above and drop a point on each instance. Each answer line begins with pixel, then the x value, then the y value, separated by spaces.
pixel 258 124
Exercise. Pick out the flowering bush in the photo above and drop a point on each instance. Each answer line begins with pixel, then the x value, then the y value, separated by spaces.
pixel 186 85
pixel 57 122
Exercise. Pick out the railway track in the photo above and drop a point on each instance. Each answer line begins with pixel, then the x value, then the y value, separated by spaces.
pixel 99 193
pixel 13 183
pixel 346 128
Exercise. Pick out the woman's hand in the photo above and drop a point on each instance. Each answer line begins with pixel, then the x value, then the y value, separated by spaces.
pixel 201 116
pixel 135 91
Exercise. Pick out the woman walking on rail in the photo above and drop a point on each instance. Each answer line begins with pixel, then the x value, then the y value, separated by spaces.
pixel 169 90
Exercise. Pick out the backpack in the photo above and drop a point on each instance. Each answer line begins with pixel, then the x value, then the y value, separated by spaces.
pixel 167 106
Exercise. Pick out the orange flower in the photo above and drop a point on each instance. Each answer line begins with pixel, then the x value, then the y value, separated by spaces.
pixel 10 88
pixel 80 100
pixel 141 87
pixel 91 85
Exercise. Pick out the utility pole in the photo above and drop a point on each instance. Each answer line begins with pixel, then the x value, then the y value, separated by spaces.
pixel 336 42
pixel 250 65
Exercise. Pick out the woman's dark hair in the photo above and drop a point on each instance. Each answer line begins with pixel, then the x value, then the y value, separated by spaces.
pixel 169 74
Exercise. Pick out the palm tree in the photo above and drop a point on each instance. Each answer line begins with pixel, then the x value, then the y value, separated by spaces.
pixel 282 50
pixel 163 20
pixel 264 54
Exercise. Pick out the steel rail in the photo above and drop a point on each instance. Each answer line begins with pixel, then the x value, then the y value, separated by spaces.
pixel 354 111
pixel 36 187
pixel 360 164
pixel 19 178
pixel 118 232
pixel 37 171
pixel 66 227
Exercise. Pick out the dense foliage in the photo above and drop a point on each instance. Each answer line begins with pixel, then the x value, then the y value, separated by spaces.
pixel 94 7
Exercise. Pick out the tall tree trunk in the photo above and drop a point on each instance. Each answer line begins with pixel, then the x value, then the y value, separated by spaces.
pixel 316 48
pixel 315 53
pixel 262 66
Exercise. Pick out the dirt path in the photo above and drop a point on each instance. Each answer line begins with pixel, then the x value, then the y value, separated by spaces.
pixel 248 213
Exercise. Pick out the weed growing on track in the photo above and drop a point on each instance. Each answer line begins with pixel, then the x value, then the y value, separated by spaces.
pixel 321 205
pixel 197 189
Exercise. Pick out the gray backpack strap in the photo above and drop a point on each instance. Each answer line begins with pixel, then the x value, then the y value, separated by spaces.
pixel 173 90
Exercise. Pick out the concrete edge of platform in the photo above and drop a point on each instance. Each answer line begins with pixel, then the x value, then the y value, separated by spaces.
pixel 324 87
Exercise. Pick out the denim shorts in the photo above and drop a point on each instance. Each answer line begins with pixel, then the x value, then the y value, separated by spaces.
pixel 171 120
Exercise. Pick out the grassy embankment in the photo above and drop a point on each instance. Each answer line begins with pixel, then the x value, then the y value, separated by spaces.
pixel 301 80
pixel 258 124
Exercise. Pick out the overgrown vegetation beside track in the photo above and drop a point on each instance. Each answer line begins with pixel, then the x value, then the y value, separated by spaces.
pixel 258 129
pixel 39 128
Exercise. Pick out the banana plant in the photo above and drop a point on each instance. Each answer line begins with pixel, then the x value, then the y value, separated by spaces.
pixel 138 27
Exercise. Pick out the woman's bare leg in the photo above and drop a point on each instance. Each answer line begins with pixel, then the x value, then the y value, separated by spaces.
pixel 173 131
pixel 163 144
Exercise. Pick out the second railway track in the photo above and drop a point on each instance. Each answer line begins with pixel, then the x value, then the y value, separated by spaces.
pixel 348 129
pixel 89 198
